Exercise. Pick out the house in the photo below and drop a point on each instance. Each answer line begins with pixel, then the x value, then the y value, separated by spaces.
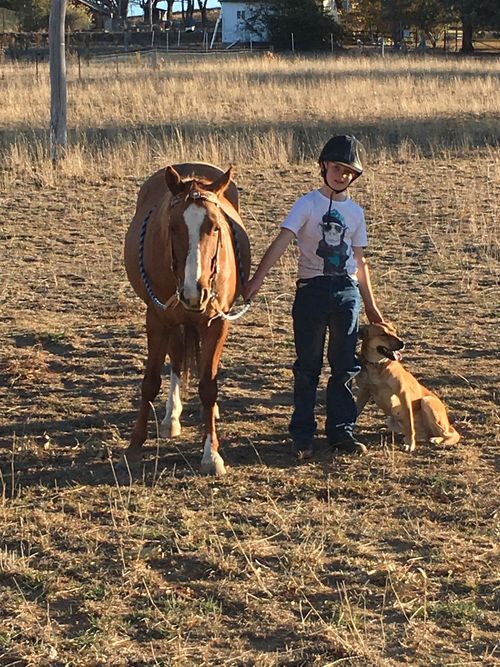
pixel 237 13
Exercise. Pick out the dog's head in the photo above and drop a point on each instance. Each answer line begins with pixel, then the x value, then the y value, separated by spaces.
pixel 380 342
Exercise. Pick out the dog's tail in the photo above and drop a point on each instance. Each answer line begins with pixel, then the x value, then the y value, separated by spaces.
pixel 434 413
pixel 451 437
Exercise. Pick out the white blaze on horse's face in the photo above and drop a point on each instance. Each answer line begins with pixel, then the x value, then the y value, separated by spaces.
pixel 193 217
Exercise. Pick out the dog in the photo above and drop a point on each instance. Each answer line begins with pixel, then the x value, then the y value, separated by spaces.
pixel 410 407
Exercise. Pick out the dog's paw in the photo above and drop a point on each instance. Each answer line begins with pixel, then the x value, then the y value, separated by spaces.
pixel 409 448
pixel 436 441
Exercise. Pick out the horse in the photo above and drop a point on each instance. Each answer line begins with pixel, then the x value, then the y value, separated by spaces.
pixel 187 256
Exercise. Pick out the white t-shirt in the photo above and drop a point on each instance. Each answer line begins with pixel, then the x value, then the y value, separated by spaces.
pixel 326 241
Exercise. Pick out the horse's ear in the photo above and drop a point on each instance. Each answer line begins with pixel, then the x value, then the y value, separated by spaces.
pixel 219 186
pixel 174 181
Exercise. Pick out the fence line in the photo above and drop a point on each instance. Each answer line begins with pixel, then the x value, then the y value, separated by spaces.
pixel 169 51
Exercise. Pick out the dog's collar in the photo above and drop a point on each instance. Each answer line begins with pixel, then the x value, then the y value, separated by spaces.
pixel 375 363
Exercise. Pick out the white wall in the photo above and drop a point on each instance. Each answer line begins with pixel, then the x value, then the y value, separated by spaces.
pixel 233 23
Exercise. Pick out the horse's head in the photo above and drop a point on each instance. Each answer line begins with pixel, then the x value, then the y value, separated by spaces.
pixel 195 233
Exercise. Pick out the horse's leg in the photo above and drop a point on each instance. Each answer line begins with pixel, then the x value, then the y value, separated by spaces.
pixel 171 425
pixel 157 349
pixel 212 342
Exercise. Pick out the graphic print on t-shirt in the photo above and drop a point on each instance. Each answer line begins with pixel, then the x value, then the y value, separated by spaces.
pixel 332 247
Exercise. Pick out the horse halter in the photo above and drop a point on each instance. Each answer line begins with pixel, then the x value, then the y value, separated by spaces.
pixel 174 300
pixel 194 195
pixel 197 195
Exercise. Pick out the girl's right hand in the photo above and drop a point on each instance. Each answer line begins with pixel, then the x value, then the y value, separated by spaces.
pixel 250 289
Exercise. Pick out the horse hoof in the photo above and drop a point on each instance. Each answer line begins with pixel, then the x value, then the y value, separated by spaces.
pixel 170 429
pixel 131 457
pixel 215 467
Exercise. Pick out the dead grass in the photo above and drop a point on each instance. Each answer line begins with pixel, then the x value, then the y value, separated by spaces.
pixel 384 561
pixel 244 110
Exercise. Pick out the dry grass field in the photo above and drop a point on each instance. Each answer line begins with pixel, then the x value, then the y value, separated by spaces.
pixel 387 560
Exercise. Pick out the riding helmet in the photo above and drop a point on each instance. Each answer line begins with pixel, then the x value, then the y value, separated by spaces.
pixel 344 149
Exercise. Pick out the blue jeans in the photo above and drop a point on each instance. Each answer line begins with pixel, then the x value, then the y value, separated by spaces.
pixel 325 304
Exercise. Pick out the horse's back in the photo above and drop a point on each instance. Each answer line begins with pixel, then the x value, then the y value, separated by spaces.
pixel 154 189
pixel 211 173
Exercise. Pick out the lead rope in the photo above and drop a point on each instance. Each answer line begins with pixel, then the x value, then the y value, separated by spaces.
pixel 175 297
pixel 246 306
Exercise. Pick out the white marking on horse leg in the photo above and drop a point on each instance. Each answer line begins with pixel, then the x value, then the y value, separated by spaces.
pixel 193 217
pixel 207 451
pixel 171 425
pixel 212 461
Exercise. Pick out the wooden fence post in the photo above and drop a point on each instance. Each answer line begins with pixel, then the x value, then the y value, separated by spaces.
pixel 58 94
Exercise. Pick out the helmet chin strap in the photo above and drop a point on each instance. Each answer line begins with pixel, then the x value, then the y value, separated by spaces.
pixel 337 192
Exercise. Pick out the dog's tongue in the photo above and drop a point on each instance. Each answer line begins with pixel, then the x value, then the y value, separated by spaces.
pixel 397 355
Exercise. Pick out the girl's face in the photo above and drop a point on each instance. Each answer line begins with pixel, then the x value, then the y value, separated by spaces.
pixel 338 175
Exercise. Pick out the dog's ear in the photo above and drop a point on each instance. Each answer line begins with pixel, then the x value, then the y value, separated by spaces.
pixel 363 331
pixel 390 327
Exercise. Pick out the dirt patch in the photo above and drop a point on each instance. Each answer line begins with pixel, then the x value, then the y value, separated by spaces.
pixel 387 560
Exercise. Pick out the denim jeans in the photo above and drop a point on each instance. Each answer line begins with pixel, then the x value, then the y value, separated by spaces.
pixel 325 304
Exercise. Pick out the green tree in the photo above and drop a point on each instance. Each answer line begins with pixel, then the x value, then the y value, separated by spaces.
pixel 473 15
pixel 427 15
pixel 307 20
pixel 396 15
pixel 34 15
pixel 364 16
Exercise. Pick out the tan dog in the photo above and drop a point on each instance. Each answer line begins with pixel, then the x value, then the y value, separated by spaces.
pixel 412 409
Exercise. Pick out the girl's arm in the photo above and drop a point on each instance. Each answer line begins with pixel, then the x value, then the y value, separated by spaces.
pixel 271 256
pixel 365 287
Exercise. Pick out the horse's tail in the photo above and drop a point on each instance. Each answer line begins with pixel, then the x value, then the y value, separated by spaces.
pixel 191 357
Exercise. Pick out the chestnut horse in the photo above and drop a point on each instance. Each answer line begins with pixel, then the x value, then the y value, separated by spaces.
pixel 186 255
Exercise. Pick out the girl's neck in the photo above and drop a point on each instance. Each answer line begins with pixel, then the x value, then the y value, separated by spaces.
pixel 335 196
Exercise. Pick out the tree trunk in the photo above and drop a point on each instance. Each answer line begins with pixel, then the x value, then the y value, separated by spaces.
pixel 122 9
pixel 189 13
pixel 467 34
pixel 170 6
pixel 58 94
pixel 202 5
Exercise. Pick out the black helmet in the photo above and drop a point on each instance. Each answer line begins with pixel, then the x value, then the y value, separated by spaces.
pixel 346 150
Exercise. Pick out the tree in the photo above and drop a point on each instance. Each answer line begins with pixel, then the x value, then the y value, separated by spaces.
pixel 188 12
pixel 116 8
pixel 396 15
pixel 364 16
pixel 473 14
pixel 170 9
pixel 34 15
pixel 427 15
pixel 202 6
pixel 307 20
pixel 144 5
